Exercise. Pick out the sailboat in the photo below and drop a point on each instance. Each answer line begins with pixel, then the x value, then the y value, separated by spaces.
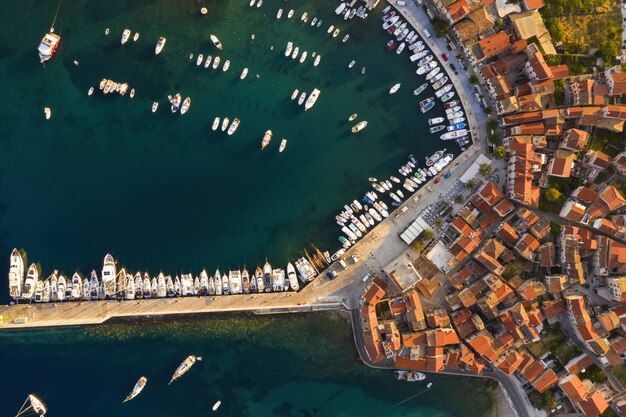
pixel 50 41
pixel 139 386
pixel 32 405
pixel 184 367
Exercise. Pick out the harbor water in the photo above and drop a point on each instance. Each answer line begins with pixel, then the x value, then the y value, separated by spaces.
pixel 162 190
pixel 290 365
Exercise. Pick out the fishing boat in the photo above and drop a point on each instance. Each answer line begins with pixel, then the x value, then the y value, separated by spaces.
pixel 184 367
pixel 125 36
pixel 186 104
pixel 139 386
pixel 310 102
pixel 294 94
pixel 244 73
pixel 159 45
pixel 225 123
pixel 317 60
pixel 47 111
pixel 279 14
pixel 155 106
pixel 434 157
pixel 409 376
pixel 233 127
pixel 283 144
pixel 292 277
pixel 226 66
pixel 394 89
pixel 266 139
pixel 359 126
pixel 420 89
pixel 32 405
pixel 303 57
pixel 302 97
pixel 216 62
pixel 290 14
pixel 175 102
pixel 216 42
pixel 336 33
pixel 436 129
pixel 258 277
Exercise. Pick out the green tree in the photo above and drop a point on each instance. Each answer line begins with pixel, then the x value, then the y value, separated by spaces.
pixel 555 228
pixel 439 222
pixel 471 184
pixel 488 110
pixel 418 245
pixel 458 198
pixel 427 234
pixel 473 79
pixel 492 124
pixel 485 169
pixel 595 374
pixel 553 195
pixel 499 152
pixel 493 139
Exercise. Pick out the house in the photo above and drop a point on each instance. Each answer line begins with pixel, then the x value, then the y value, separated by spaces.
pixel 488 196
pixel 556 283
pixel 570 259
pixel 561 166
pixel 619 163
pixel 610 199
pixel 457 10
pixel 475 24
pixel 509 362
pixel 533 4
pixel 494 45
pixel 585 194
pixel 616 81
pixel 574 140
pixel 526 246
pixel 598 160
pixel 573 211
pixel 522 164
pixel 490 254
pixel 547 380
pixel 547 255
pixel 617 288
pixel 507 233
pixel 530 24
pixel 537 69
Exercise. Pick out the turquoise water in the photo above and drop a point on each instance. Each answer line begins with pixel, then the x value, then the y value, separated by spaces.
pixel 281 366
pixel 163 190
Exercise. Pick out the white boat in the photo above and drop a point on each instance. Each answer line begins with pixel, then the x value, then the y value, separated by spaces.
pixel 394 89
pixel 216 41
pixel 217 280
pixel 125 36
pixel 32 405
pixel 186 104
pixel 317 60
pixel 423 69
pixel 159 45
pixel 351 64
pixel 136 37
pixel 339 10
pixel 304 17
pixel 90 91
pixel 139 386
pixel 295 53
pixel 207 61
pixel 310 102
pixel 330 29
pixel 352 117
pixel 184 367
pixel 233 126
pixel 216 406
pixel 61 287
pixel 266 139
pixel 336 33
pixel 303 57
pixel 306 271
pixel 359 126
pixel 420 89
pixel 225 122
pixel 77 284
pixel 216 123
pixel 447 96
pixel 47 111
pixel 279 14
pixel 283 144
pixel 289 49
pixel 302 97
pixel 252 2
pixel 244 73
pixel 294 94
pixel 226 65
pixel 234 280
pixel 290 14
pixel 109 272
pixel 258 277
pixel 400 48
pixel 409 376
pixel 199 59
pixel 216 62
pixel 16 274
pixel 106 32
pixel 345 38
pixel 432 73
pixel 292 277
pixel 442 91
pixel 155 106
pixel 314 21
pixel 454 134
pixel 434 157
pixel 259 4
pixel 132 92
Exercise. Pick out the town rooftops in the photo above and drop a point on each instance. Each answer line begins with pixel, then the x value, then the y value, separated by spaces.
pixel 594 405
pixel 494 44
pixel 585 194
pixel 546 381
pixel 573 388
pixel 533 4
pixel 574 140
pixel 561 166
pixel 458 9
pixel 474 24
pixel 509 362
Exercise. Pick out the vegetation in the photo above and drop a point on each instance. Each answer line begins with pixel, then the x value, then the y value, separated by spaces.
pixel 554 340
pixel 492 124
pixel 565 185
pixel 485 169
pixel 458 199
pixel 619 372
pixel 473 79
pixel 555 229
pixel 595 374
pixel 559 92
pixel 517 267
pixel 418 245
pixel 427 234
pixel 554 196
pixel 545 401
pixel 611 143
pixel 499 152
pixel 471 184
pixel 441 26
pixel 439 222
pixel 493 139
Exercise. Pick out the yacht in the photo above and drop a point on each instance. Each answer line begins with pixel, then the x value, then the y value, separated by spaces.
pixel 434 157
pixel 306 271
pixel 187 284
pixel 233 126
pixel 245 281
pixel 159 45
pixel 351 64
pixel 442 91
pixel 289 49
pixel 170 291
pixel 216 62
pixel 303 57
pixel 317 60
pixel 244 73
pixel 185 107
pixel 420 89
pixel 359 126
pixel 161 285
pixel 155 106
pixel 310 102
pixel 339 10
pixel 225 122
pixel 258 277
pixel 394 89
pixel 225 285
pixel 125 36
pixel 447 96
pixel 435 120
pixel 217 278
pixel 94 286
pixel 267 276
pixel 235 284
pixel 216 123
pixel 77 286
pixel 301 99
pixel 139 386
pixel 432 73
pixel 266 139
pixel 199 59
pixel 278 280
pixel 226 66
pixel 453 135
pixel 61 287
pixel 48 45
pixel 451 104
pixel 109 274
pixel 16 273
pixel 283 144
pixel 184 367
pixel 345 38
pixel 216 42
pixel 409 376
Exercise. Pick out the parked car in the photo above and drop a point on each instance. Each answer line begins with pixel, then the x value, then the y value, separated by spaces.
pixel 454 69
pixel 445 56
pixel 437 180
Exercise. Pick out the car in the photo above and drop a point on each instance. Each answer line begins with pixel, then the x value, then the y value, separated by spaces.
pixel 354 259
pixel 447 175
pixel 437 180
pixel 445 56
pixel 454 69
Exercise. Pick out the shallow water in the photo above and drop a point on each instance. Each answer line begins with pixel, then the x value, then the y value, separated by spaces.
pixel 271 366
pixel 163 190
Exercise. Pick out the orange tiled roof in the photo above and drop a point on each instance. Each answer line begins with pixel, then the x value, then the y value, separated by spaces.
pixel 573 388
pixel 509 362
pixel 594 405
pixel 495 44
pixel 458 9
pixel 507 233
pixel 585 194
pixel 547 380
pixel 533 4
pixel 533 370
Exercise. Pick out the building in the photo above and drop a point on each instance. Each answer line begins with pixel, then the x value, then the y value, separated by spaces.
pixel 617 288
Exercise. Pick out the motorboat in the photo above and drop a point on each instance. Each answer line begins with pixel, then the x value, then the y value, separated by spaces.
pixel 456 126
pixel 352 117
pixel 139 386
pixel 432 73
pixel 159 45
pixel 434 157
pixel 302 98
pixel 283 144
pixel 186 104
pixel 451 104
pixel 16 273
pixel 216 62
pixel 330 29
pixel 453 135
pixel 233 127
pixel 359 126
pixel 418 55
pixel 279 13
pixel 244 73
pixel 47 111
pixel 345 38
pixel 423 69
pixel 394 89
pixel 390 22
pixel 336 33
pixel 436 129
pixel 90 91
pixel 427 107
pixel 447 96
pixel 420 89
pixel 306 271
pixel 207 61
pixel 426 101
pixel 216 41
pixel 217 282
pixel 155 106
pixel 266 139
pixel 132 92
pixel 290 14
pixel 339 10
pixel 48 45
pixel 289 49
pixel 294 94
pixel 456 115
pixel 409 376
pixel 303 57
pixel 310 102
pixel 441 82
pixel 258 277
pixel 453 109
pixel 435 120
pixel 391 45
pixel 317 60
pixel 136 37
pixel 225 122
pixel 32 405
pixel 199 59
pixel 226 66
pixel 125 36
pixel 442 91
pixel 216 123
pixel 351 64
pixel 457 120
pixel 235 283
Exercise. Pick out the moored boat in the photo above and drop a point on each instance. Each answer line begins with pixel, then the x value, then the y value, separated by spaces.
pixel 409 376
pixel 216 41
pixel 283 144
pixel 184 367
pixel 434 157
pixel 155 106
pixel 292 277
pixel 125 36
pixel 359 126
pixel 185 107
pixel 216 123
pixel 420 89
pixel 16 273
pixel 139 386
pixel 244 73
pixel 310 102
pixel 394 89
pixel 233 126
pixel 225 122
pixel 159 45
pixel 266 139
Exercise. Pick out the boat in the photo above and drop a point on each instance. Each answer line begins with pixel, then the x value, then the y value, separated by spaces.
pixel 267 276
pixel 266 139
pixel 359 126
pixel 289 49
pixel 435 120
pixel 439 93
pixel 317 60
pixel 425 60
pixel 283 144
pixel 394 89
pixel 454 109
pixel 451 104
pixel 304 17
pixel 216 62
pixel 336 33
pixel 125 36
pixel 252 2
pixel 420 89
pixel 427 107
pixel 155 106
pixel 339 10
pixel 310 102
pixel 295 53
pixel 290 14
pixel 184 367
pixel 426 101
pixel 454 135
pixel 106 32
pixel 47 111
pixel 418 55
pixel 302 97
pixel 423 69
pixel 441 82
pixel 109 272
pixel 32 405
pixel 456 126
pixel 409 376
pixel 90 91
pixel 159 45
pixel 457 120
pixel 225 122
pixel 432 73
pixel 217 281
pixel 234 280
pixel 436 129
pixel 394 179
pixel 61 287
pixel 279 14
pixel 136 37
pixel 16 273
pixel 245 281
pixel 208 60
pixel 352 117
pixel 390 22
pixel 314 21
pixel 226 66
pixel 345 38
pixel 330 29
pixel 303 57
pixel 199 59
pixel 132 92
pixel 442 163
pixel 391 45
pixel 233 127
pixel 400 48
pixel 448 96
pixel 434 157
pixel 216 42
pixel 175 101
pixel 147 287
pixel 305 269
pixel 186 104
pixel 455 115
pixel 294 94
pixel 244 73
pixel 216 406
pixel 139 386
pixel 216 123
pixel 278 280
pixel 351 64
pixel 258 277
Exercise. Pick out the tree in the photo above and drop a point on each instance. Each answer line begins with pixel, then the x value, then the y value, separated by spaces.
pixel 488 110
pixel 555 228
pixel 427 234
pixel 493 139
pixel 485 169
pixel 458 198
pixel 471 184
pixel 499 152
pixel 553 195
pixel 492 124
pixel 473 79
pixel 418 245
pixel 595 374
pixel 439 222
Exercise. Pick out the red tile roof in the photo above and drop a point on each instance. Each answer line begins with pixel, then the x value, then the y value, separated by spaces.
pixel 594 405
pixel 458 9
pixel 509 362
pixel 494 44
pixel 573 388
pixel 546 381
pixel 533 4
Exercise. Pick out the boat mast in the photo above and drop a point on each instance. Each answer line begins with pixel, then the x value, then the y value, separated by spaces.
pixel 55 16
